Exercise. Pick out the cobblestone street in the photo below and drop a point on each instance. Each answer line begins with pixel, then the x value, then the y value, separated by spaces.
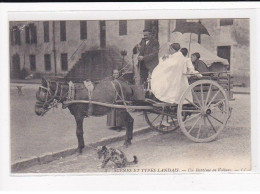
pixel 172 152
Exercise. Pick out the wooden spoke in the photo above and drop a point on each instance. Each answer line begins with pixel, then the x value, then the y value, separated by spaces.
pixel 173 122
pixel 198 135
pixel 215 119
pixel 211 125
pixel 192 103
pixel 191 118
pixel 194 93
pixel 207 115
pixel 213 98
pixel 206 101
pixel 194 125
pixel 201 93
pixel 155 118
pixel 161 121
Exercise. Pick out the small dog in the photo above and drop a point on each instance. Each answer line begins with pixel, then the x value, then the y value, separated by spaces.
pixel 114 155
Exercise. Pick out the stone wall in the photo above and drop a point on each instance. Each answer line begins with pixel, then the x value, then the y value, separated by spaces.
pixel 69 46
pixel 236 36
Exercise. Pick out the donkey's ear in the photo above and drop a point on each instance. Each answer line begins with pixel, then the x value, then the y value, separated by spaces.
pixel 44 82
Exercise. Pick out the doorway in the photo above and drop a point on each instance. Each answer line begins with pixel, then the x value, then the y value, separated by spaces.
pixel 15 67
pixel 225 53
pixel 102 25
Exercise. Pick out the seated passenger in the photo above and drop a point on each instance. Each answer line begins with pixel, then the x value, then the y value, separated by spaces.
pixel 168 81
pixel 199 65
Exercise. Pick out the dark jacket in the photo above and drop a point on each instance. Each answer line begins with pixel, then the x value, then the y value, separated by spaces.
pixel 200 66
pixel 150 53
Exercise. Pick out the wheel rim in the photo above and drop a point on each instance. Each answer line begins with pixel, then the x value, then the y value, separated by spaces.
pixel 208 112
pixel 160 122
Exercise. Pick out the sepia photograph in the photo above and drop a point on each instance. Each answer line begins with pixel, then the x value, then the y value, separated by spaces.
pixel 130 96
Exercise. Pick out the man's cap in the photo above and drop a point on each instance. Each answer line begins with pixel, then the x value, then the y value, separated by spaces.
pixel 196 55
pixel 175 46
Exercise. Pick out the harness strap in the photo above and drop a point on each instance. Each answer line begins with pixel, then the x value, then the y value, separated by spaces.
pixel 90 87
pixel 122 93
pixel 71 92
pixel 117 95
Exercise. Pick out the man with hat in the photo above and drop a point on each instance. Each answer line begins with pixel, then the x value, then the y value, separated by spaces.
pixel 148 54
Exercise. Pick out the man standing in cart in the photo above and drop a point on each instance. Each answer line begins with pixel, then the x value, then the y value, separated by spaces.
pixel 148 55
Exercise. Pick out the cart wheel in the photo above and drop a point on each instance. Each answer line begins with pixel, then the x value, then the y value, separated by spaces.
pixel 161 123
pixel 208 111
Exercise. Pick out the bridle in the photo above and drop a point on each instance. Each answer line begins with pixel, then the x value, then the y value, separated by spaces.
pixel 50 101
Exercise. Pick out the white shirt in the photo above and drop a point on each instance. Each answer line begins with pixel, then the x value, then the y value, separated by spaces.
pixel 168 81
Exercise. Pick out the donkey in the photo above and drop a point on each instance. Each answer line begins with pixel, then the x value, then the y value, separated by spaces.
pixel 51 93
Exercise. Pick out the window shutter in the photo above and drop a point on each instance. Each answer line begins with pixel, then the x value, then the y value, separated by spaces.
pixel 27 35
pixel 12 36
pixel 62 31
pixel 122 27
pixel 64 61
pixel 47 61
pixel 46 31
pixel 83 30
pixel 226 22
pixel 32 63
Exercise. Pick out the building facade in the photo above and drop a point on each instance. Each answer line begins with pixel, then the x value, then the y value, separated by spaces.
pixel 54 47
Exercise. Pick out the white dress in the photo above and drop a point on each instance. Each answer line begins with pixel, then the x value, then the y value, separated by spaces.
pixel 168 81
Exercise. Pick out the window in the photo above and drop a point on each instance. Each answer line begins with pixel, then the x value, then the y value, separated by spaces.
pixel 122 27
pixel 27 35
pixel 32 62
pixel 64 62
pixel 31 34
pixel 83 30
pixel 15 36
pixel 47 62
pixel 15 67
pixel 152 25
pixel 224 52
pixel 46 31
pixel 226 22
pixel 62 31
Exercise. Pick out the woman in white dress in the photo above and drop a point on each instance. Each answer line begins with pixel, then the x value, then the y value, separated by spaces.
pixel 168 80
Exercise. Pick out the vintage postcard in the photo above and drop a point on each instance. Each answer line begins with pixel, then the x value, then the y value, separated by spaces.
pixel 130 95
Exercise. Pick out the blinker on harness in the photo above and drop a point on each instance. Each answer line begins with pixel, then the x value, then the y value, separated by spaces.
pixel 54 100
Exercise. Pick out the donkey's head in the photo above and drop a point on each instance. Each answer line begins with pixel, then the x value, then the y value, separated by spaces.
pixel 46 97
